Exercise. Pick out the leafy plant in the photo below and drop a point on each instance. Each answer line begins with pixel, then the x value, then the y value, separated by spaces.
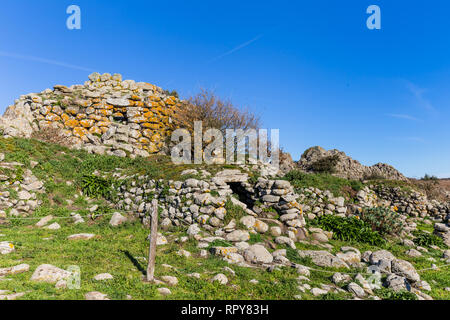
pixel 234 212
pixel 172 93
pixel 94 186
pixel 383 220
pixel 325 165
pixel 389 294
pixel 350 229
pixel 425 239
pixel 220 243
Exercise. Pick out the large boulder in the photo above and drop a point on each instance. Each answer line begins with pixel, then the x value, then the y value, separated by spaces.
pixel 344 166
pixel 405 269
pixel 50 274
pixel 258 254
pixel 323 259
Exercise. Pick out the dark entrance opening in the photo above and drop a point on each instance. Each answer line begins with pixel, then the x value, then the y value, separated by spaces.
pixel 243 195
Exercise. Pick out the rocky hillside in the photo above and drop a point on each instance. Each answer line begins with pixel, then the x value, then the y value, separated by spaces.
pixel 317 159
pixel 236 232
pixel 75 212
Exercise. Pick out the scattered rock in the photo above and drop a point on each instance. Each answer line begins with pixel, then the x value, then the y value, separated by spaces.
pixel 103 276
pixel 117 219
pixel 221 278
pixel 258 254
pixel 50 274
pixel 95 295
pixel 81 236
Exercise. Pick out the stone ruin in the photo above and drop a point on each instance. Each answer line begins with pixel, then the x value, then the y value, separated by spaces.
pixel 106 115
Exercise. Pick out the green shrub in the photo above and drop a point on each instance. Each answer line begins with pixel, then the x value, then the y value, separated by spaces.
pixel 383 220
pixel 325 165
pixel 350 229
pixel 425 239
pixel 234 212
pixel 219 243
pixel 294 257
pixel 389 294
pixel 323 181
pixel 172 93
pixel 428 177
pixel 94 186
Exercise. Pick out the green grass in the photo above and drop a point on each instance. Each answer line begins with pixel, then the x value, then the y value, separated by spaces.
pixel 323 181
pixel 121 252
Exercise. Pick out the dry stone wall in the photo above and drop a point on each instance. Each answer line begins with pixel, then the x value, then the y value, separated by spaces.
pixel 105 115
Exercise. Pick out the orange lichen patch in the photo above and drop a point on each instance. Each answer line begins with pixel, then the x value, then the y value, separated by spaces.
pixel 109 107
pixel 155 98
pixel 154 104
pixel 95 117
pixel 156 138
pixel 153 126
pixel 71 110
pixel 117 115
pixel 144 140
pixel 46 110
pixel 83 103
pixel 72 123
pixel 148 114
pixel 65 117
pixel 135 98
pixel 137 119
pixel 165 111
pixel 105 112
pixel 57 110
pixel 104 129
pixel 80 132
pixel 87 123
pixel 37 99
pixel 96 100
pixel 103 124
pixel 152 148
pixel 90 110
pixel 171 101
pixel 154 120
pixel 95 130
pixel 158 109
pixel 81 116
pixel 53 117
pixel 145 110
pixel 147 133
pixel 97 105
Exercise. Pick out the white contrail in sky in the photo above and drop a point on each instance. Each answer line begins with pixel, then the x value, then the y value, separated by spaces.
pixel 239 47
pixel 43 60
pixel 403 116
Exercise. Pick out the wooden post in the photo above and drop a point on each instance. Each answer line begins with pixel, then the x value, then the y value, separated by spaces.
pixel 153 238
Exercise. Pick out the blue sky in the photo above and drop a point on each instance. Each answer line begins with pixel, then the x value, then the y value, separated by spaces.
pixel 310 68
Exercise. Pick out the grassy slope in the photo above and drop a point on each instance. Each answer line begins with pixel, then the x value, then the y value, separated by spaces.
pixel 122 251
